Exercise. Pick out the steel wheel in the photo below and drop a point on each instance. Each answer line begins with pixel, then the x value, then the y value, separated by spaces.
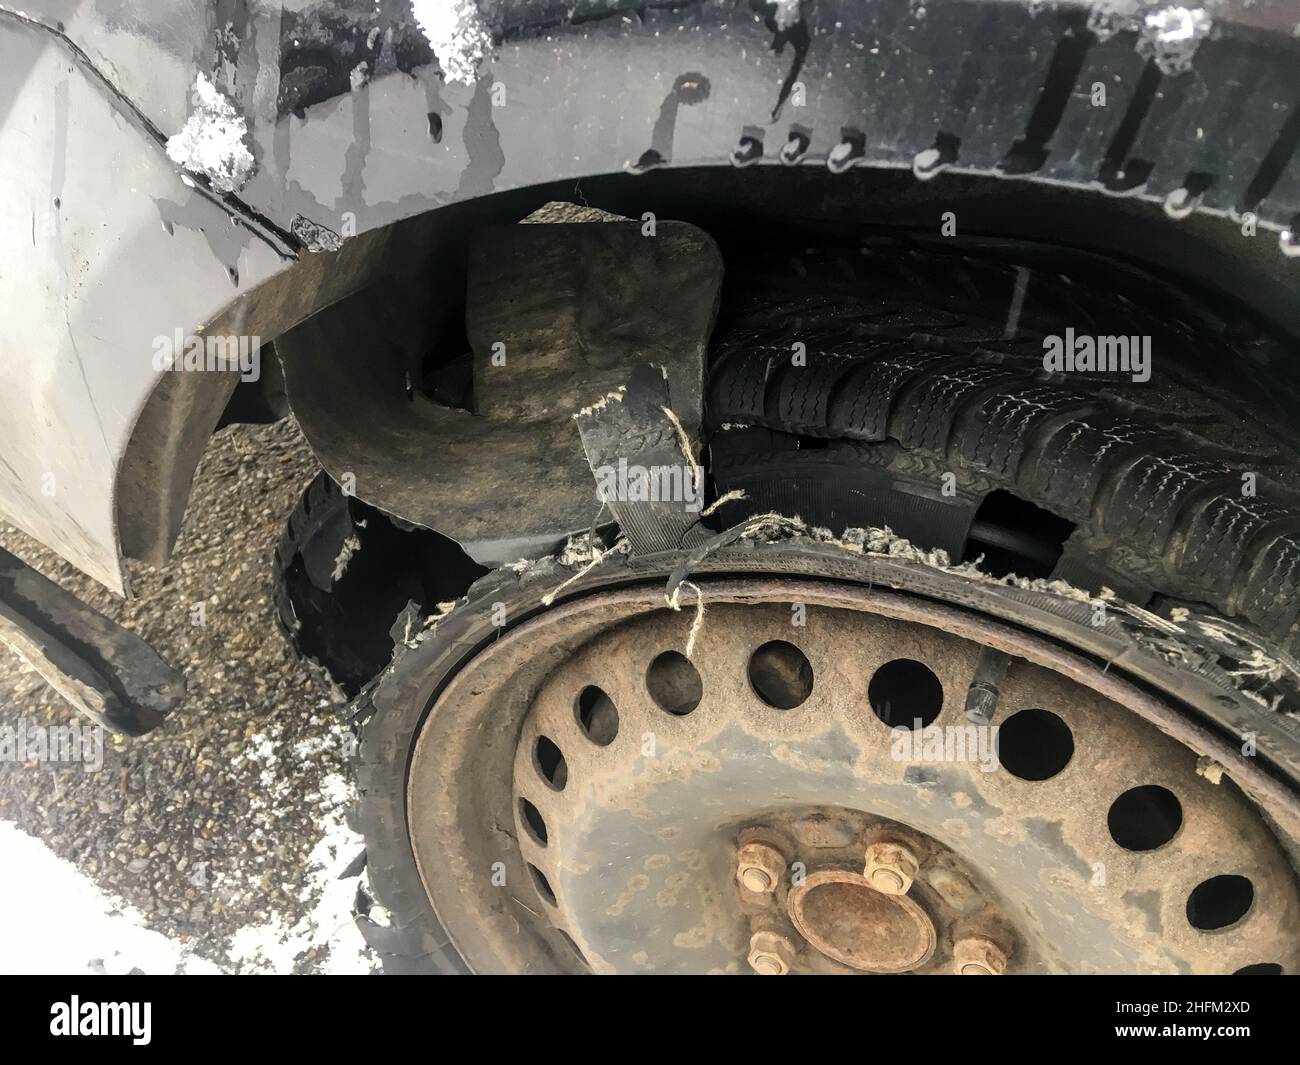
pixel 762 806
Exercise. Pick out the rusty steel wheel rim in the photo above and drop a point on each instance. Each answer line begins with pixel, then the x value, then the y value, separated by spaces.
pixel 752 809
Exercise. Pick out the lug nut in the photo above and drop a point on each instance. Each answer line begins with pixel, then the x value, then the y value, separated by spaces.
pixel 770 954
pixel 890 868
pixel 978 956
pixel 759 867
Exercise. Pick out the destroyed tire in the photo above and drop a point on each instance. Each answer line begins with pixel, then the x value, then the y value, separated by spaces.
pixel 913 417
pixel 343 572
pixel 1174 493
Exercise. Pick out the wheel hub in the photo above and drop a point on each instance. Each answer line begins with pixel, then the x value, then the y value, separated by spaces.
pixel 849 921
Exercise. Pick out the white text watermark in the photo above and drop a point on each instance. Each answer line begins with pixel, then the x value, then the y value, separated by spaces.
pixel 1098 354
pixel 212 354
pixel 30 743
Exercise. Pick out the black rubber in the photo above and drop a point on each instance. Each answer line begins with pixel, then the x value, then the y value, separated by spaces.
pixel 339 625
pixel 410 941
pixel 904 385
pixel 318 527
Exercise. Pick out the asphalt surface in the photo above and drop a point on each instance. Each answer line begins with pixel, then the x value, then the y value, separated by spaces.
pixel 224 827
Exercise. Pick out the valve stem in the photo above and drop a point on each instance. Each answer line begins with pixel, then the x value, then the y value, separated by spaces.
pixel 986 686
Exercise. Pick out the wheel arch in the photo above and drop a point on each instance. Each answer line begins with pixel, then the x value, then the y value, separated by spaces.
pixel 673 127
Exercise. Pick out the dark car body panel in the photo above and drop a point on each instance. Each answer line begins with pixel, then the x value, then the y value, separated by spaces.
pixel 355 124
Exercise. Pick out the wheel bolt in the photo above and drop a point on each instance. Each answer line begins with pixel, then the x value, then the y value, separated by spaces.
pixel 978 956
pixel 770 953
pixel 759 867
pixel 890 868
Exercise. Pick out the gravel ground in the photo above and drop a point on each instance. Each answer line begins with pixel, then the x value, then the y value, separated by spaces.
pixel 224 827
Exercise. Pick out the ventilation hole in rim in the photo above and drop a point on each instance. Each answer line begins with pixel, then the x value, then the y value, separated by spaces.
pixel 542 884
pixel 597 715
pixel 533 822
pixel 550 763
pixel 1144 818
pixel 1219 902
pixel 903 692
pixel 1262 968
pixel 1034 744
pixel 674 683
pixel 781 675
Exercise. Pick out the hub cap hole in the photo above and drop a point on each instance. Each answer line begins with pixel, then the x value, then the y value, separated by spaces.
pixel 1145 818
pixel 550 763
pixel 674 683
pixel 1034 744
pixel 1219 902
pixel 1263 968
pixel 533 822
pixel 597 715
pixel 903 692
pixel 781 675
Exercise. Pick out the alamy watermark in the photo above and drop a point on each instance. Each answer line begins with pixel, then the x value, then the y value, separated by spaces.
pixel 1098 354
pixel 133 1020
pixel 28 742
pixel 946 743
pixel 624 483
pixel 188 353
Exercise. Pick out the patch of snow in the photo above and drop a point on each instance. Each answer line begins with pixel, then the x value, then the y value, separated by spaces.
pixel 1173 24
pixel 787 13
pixel 1109 17
pixel 312 746
pixel 60 923
pixel 1171 35
pixel 211 142
pixel 925 165
pixel 457 34
pixel 315 236
pixel 275 947
pixel 262 752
